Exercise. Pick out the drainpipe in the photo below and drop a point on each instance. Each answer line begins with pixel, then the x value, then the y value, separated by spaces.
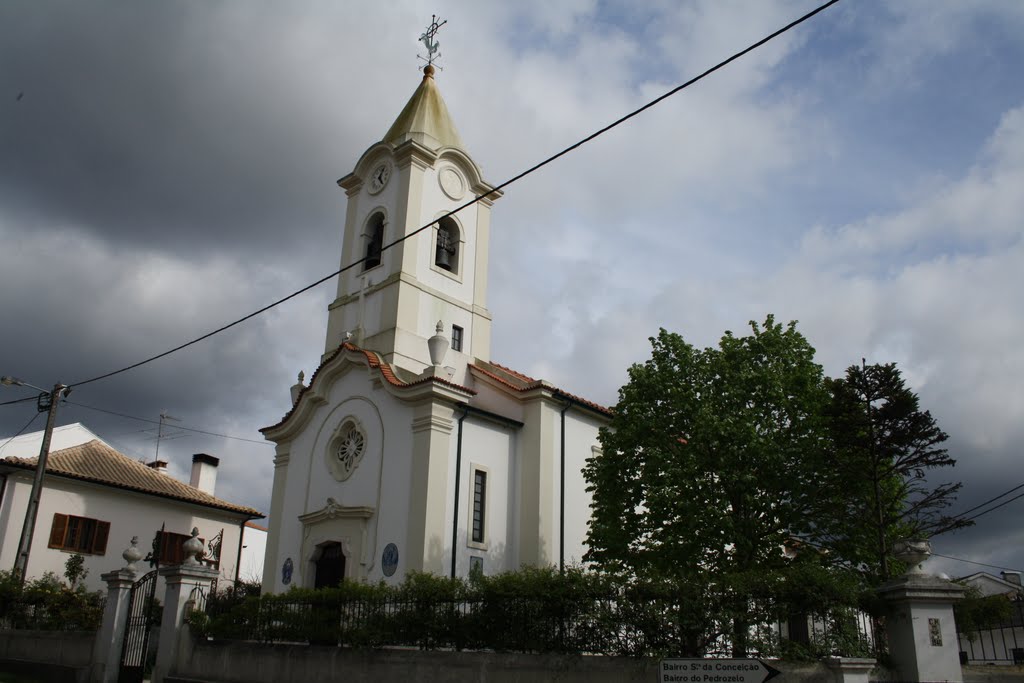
pixel 458 478
pixel 3 490
pixel 241 539
pixel 561 499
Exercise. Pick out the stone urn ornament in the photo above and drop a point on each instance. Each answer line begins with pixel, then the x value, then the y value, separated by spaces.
pixel 193 548
pixel 132 554
pixel 438 345
pixel 913 552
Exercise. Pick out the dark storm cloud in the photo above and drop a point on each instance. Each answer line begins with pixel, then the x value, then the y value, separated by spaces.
pixel 160 124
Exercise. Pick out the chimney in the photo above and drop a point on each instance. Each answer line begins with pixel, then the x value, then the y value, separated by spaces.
pixel 204 472
pixel 158 465
pixel 1011 577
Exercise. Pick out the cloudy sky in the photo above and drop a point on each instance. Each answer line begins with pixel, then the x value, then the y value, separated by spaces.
pixel 168 167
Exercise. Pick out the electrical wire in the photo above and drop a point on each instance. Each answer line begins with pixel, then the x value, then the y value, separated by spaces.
pixel 20 431
pixel 19 400
pixel 985 512
pixel 156 422
pixel 990 500
pixel 950 525
pixel 960 559
pixel 475 199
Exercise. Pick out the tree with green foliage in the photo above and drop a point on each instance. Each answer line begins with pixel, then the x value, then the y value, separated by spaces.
pixel 977 612
pixel 884 447
pixel 710 465
pixel 74 570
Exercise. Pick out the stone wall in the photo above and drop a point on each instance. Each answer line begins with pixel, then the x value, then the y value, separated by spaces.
pixel 48 655
pixel 244 662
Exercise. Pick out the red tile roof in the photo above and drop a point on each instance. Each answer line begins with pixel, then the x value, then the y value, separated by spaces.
pixel 519 382
pixel 373 361
pixel 97 462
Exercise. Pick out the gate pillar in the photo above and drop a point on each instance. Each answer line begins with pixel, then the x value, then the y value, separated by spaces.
pixel 919 621
pixel 106 654
pixel 179 580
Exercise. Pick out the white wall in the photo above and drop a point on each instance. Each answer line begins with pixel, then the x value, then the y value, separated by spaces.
pixel 489 446
pixel 381 480
pixel 129 514
pixel 581 438
pixel 254 548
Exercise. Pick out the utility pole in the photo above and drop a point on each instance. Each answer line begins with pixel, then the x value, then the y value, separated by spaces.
pixel 29 527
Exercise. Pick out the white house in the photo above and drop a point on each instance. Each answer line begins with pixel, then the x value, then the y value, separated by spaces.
pixel 95 499
pixel 410 449
pixel 1008 584
pixel 1003 643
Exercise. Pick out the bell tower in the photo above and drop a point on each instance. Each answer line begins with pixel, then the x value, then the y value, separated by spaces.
pixel 391 302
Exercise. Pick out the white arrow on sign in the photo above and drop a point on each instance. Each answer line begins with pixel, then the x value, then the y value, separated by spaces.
pixel 715 671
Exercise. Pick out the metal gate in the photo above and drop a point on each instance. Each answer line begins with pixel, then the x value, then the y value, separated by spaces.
pixel 141 618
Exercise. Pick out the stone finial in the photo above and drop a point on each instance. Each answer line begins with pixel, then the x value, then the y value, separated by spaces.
pixel 297 388
pixel 438 346
pixel 193 548
pixel 132 554
pixel 913 552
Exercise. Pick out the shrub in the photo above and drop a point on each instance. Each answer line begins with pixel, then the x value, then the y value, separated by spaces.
pixel 47 604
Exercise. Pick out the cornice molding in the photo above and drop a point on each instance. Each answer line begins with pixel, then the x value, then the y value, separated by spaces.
pixel 434 423
pixel 335 510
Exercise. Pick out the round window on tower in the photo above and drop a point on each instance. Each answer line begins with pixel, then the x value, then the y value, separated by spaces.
pixel 346 449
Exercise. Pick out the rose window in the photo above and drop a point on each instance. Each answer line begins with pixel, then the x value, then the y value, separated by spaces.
pixel 350 450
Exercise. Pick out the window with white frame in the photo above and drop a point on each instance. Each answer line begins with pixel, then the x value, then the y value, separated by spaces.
pixel 456 338
pixel 478 516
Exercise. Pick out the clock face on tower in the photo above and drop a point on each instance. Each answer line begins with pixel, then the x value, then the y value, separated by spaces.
pixel 451 182
pixel 379 177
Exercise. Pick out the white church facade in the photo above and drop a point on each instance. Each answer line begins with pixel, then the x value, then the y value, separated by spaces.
pixel 409 449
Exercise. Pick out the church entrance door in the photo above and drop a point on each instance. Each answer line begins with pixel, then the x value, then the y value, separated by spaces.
pixel 330 566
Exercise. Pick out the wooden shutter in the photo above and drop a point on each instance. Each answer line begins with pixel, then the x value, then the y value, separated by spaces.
pixel 57 531
pixel 99 543
pixel 171 551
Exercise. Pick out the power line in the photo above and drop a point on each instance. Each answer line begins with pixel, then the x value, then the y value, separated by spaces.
pixel 21 431
pixel 949 526
pixel 990 500
pixel 19 400
pixel 475 199
pixel 960 559
pixel 985 512
pixel 187 429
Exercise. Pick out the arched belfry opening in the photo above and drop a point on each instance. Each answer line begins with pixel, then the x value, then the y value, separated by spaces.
pixel 329 565
pixel 446 248
pixel 374 241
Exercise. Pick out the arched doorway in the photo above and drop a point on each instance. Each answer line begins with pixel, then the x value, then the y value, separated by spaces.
pixel 330 566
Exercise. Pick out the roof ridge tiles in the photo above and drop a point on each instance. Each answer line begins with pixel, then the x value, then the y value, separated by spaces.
pixel 97 462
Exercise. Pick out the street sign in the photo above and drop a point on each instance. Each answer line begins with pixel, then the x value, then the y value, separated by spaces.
pixel 715 671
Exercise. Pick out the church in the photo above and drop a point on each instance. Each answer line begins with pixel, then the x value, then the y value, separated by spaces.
pixel 410 449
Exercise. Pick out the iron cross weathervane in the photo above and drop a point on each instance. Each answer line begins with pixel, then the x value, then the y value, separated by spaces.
pixel 430 42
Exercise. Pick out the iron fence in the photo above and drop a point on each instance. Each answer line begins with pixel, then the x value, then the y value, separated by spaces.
pixel 1001 644
pixel 998 643
pixel 633 625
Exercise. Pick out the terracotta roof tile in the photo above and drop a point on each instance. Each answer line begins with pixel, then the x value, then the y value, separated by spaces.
pixel 520 382
pixel 372 360
pixel 97 462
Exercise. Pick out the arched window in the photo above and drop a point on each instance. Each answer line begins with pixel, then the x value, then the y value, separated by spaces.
pixel 374 236
pixel 446 252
